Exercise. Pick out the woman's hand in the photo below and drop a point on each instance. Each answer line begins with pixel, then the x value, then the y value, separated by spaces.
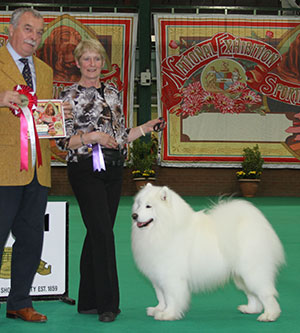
pixel 104 139
pixel 147 127
pixel 156 125
pixel 83 139
pixel 67 108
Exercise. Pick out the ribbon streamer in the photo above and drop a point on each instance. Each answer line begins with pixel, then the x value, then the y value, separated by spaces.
pixel 24 142
pixel 29 103
pixel 98 160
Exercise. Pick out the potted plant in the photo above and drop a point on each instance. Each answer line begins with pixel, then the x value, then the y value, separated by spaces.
pixel 252 167
pixel 142 157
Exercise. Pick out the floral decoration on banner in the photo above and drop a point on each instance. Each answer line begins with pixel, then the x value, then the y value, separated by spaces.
pixel 239 99
pixel 220 86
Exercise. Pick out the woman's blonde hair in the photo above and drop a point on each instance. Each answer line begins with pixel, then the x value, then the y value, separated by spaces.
pixel 88 45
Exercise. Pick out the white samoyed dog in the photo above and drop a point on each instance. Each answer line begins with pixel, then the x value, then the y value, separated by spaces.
pixel 182 251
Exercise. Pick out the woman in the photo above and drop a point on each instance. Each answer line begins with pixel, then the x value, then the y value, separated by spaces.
pixel 97 120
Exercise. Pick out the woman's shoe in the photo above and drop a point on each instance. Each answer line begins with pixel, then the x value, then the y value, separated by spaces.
pixel 108 316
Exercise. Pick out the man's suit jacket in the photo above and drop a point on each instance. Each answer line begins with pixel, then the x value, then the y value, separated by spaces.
pixel 10 76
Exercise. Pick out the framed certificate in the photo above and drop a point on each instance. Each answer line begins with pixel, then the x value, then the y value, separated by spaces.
pixel 49 119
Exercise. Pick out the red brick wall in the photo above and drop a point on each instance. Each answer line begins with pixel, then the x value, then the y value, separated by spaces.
pixel 199 181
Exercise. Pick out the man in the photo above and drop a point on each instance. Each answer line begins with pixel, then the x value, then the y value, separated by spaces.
pixel 23 193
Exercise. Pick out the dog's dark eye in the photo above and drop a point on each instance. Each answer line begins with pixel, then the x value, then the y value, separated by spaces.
pixel 148 206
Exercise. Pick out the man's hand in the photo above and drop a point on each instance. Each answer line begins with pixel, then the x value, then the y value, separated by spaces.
pixel 10 99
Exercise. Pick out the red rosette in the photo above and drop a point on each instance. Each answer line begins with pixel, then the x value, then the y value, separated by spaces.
pixel 28 98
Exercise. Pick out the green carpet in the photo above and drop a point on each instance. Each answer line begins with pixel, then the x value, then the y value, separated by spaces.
pixel 213 312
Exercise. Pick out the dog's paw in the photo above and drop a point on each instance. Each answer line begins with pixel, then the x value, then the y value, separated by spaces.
pixel 267 316
pixel 249 309
pixel 166 315
pixel 151 311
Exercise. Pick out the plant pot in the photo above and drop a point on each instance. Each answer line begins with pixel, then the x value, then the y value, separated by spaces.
pixel 249 187
pixel 141 182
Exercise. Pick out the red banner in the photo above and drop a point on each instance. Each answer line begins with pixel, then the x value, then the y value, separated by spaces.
pixel 226 83
pixel 115 32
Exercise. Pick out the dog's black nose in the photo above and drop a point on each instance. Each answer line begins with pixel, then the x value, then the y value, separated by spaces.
pixel 134 216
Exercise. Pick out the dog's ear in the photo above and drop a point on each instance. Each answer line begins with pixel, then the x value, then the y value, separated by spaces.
pixel 164 193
